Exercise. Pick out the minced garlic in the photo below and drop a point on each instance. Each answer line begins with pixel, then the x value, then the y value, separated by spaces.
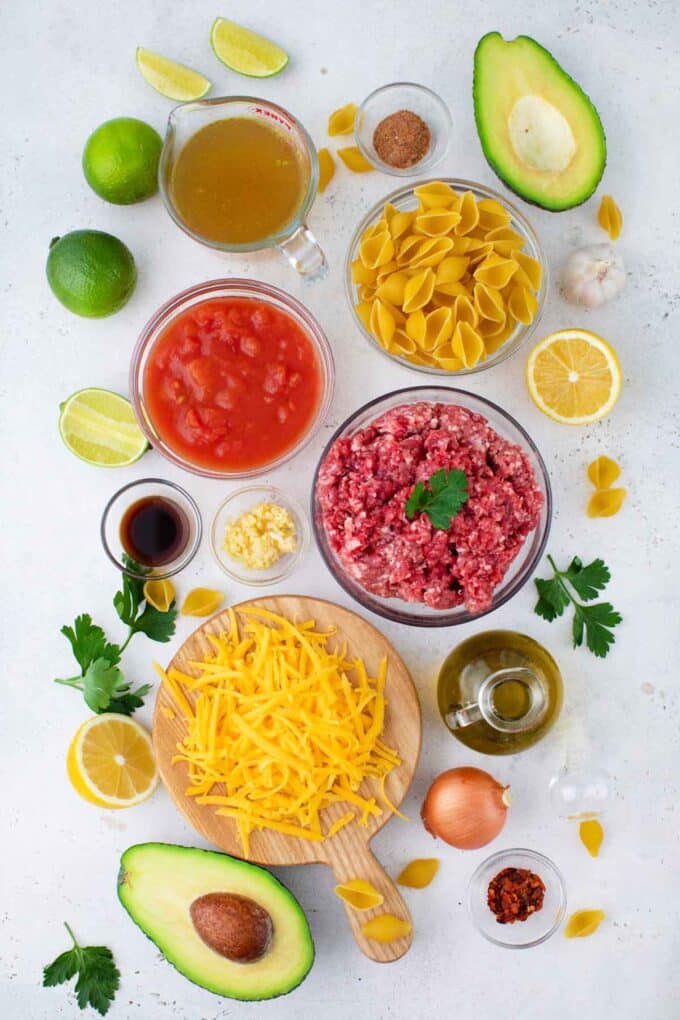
pixel 261 536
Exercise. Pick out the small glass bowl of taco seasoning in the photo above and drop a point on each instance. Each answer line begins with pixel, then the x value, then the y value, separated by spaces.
pixel 151 526
pixel 403 129
pixel 258 535
pixel 517 898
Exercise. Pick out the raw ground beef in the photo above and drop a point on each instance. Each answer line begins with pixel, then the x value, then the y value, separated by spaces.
pixel 366 479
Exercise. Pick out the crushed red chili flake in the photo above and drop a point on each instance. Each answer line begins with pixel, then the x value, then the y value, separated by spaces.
pixel 402 139
pixel 514 894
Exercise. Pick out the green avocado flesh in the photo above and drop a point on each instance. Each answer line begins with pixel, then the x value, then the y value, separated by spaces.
pixel 159 882
pixel 538 129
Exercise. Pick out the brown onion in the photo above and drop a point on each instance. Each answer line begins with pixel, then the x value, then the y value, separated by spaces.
pixel 465 807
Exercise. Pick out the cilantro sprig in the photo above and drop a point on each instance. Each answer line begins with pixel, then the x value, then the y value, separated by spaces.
pixel 98 976
pixel 595 622
pixel 101 680
pixel 446 493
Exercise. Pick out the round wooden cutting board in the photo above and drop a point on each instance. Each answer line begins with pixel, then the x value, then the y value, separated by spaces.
pixel 348 852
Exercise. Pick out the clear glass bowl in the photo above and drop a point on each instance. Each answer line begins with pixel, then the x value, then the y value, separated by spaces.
pixel 404 95
pixel 240 502
pixel 114 512
pixel 521 568
pixel 539 926
pixel 236 288
pixel 404 199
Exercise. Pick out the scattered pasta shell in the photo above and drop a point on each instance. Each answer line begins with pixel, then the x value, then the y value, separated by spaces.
pixel 419 873
pixel 418 291
pixel 583 923
pixel 341 121
pixel 360 894
pixel 354 160
pixel 202 602
pixel 386 928
pixel 326 170
pixel 467 345
pixel 159 593
pixel 592 835
pixel 603 472
pixel 610 217
pixel 606 502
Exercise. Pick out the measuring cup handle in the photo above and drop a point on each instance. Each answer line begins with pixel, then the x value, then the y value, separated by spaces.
pixel 465 716
pixel 305 254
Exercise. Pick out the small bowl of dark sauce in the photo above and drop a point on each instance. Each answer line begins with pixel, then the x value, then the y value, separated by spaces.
pixel 154 524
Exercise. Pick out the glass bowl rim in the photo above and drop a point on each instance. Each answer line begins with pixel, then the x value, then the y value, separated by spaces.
pixel 431 158
pixel 242 287
pixel 294 558
pixel 154 573
pixel 506 350
pixel 539 858
pixel 386 612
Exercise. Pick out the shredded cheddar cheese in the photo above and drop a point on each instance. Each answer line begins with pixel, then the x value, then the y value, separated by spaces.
pixel 280 726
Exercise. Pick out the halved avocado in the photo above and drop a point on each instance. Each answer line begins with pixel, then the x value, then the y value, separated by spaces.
pixel 227 925
pixel 539 130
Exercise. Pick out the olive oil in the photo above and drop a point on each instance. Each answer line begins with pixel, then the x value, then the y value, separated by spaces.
pixel 238 180
pixel 499 692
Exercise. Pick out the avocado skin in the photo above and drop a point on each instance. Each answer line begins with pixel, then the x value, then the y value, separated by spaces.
pixel 496 166
pixel 268 878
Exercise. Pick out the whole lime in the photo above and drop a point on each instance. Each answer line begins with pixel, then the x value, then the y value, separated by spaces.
pixel 90 272
pixel 120 160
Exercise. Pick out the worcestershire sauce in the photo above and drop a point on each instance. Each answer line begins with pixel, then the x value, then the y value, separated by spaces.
pixel 154 531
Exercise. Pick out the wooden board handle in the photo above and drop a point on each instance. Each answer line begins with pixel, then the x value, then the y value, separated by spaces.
pixel 360 862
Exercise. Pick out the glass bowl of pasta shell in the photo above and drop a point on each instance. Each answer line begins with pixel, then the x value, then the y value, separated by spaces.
pixel 446 277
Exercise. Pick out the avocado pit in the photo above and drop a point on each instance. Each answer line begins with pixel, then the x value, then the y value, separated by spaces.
pixel 540 135
pixel 234 926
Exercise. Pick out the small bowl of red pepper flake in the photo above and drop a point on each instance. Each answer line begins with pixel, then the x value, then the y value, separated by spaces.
pixel 517 898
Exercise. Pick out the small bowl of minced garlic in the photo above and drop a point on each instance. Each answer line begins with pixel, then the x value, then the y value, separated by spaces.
pixel 258 534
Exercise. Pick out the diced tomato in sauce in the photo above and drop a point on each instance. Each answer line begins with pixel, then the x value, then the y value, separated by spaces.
pixel 232 384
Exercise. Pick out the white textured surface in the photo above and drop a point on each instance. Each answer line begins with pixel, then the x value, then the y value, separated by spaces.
pixel 67 66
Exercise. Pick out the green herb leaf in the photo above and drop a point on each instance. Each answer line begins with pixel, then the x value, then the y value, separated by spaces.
pixel 89 642
pixel 98 976
pixel 156 625
pixel 447 492
pixel 100 681
pixel 595 622
pixel 126 701
pixel 588 581
pixel 553 599
pixel 599 621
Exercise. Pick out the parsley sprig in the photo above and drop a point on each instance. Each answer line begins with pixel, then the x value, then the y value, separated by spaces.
pixel 98 976
pixel 101 680
pixel 595 621
pixel 447 492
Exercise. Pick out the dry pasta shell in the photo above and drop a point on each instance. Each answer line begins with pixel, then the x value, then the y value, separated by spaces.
pixel 478 253
pixel 436 222
pixel 341 121
pixel 461 245
pixel 606 502
pixel 610 217
pixel 421 358
pixel 402 344
pixel 435 193
pixel 523 305
pixel 603 472
pixel 159 593
pixel 438 328
pixel 464 310
pixel 505 248
pixel 495 342
pixel 360 894
pixel 363 310
pixel 469 213
pixel 467 344
pixel 202 602
pixel 431 251
pixel 379 227
pixel 407 248
pixel 489 303
pixel 365 292
pixel 419 873
pixel 400 223
pixel 444 357
pixel 386 928
pixel 384 271
pixel 418 291
pixel 488 328
pixel 376 250
pixel 392 288
pixel 382 323
pixel 326 170
pixel 362 274
pixel 583 923
pixel 492 214
pixel 507 235
pixel 416 326
pixel 354 160
pixel 451 269
pixel 444 293
pixel 495 271
pixel 531 269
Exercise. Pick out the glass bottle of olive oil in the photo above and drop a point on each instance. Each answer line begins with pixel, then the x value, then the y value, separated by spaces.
pixel 499 692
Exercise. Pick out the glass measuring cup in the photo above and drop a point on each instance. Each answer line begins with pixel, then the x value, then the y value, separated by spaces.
pixel 295 240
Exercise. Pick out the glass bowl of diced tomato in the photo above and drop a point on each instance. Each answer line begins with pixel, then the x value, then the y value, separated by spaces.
pixel 231 378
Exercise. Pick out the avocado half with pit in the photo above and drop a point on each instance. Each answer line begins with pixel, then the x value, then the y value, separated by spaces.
pixel 227 925
pixel 539 130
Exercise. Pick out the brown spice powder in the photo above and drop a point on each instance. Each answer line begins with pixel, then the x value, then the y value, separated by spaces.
pixel 514 894
pixel 402 139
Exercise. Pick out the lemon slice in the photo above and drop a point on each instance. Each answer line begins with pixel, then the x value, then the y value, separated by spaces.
pixel 176 81
pixel 111 763
pixel 100 427
pixel 245 51
pixel 574 376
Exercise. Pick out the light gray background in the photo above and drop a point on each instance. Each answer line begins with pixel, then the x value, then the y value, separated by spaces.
pixel 67 66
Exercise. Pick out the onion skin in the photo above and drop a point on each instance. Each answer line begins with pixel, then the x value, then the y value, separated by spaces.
pixel 465 807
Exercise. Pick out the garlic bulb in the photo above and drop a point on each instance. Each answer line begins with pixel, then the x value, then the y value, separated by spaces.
pixel 593 275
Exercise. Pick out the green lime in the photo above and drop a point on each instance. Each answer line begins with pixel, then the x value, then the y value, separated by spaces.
pixel 100 427
pixel 90 272
pixel 245 51
pixel 120 160
pixel 175 81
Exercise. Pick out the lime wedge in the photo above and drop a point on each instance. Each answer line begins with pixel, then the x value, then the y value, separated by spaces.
pixel 169 78
pixel 100 427
pixel 245 51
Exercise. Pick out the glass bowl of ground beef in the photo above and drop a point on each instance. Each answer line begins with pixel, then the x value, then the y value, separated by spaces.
pixel 398 563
